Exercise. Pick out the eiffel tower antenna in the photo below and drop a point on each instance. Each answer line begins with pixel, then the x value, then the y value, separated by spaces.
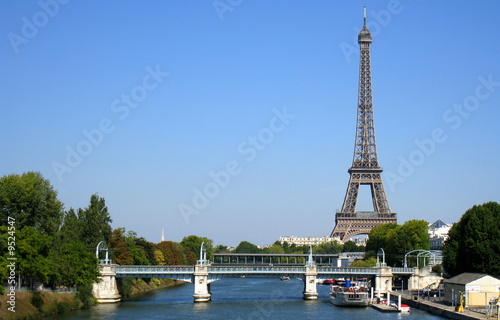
pixel 364 16
pixel 365 169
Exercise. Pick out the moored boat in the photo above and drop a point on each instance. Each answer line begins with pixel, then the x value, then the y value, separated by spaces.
pixel 349 297
pixel 329 281
pixel 404 308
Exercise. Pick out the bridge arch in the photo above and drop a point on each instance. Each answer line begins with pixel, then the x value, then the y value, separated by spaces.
pixel 418 255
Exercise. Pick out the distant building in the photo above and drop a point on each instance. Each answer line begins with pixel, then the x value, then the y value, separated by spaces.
pixel 478 288
pixel 305 241
pixel 438 234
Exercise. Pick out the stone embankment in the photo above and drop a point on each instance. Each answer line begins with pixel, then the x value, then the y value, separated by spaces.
pixel 439 309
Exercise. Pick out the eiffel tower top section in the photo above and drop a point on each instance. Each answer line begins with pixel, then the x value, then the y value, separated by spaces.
pixel 365 151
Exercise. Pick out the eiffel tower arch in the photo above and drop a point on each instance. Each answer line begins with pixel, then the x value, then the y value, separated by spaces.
pixel 365 169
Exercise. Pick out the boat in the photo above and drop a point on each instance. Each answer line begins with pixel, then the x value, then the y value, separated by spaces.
pixel 404 308
pixel 349 297
pixel 284 278
pixel 329 281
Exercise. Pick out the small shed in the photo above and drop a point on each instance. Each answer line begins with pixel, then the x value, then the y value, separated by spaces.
pixel 477 287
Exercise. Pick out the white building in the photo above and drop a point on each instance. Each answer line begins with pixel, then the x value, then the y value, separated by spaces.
pixel 478 288
pixel 305 241
pixel 438 234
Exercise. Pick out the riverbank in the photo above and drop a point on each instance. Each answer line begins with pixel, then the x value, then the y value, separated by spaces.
pixel 132 287
pixel 36 305
pixel 439 309
pixel 40 304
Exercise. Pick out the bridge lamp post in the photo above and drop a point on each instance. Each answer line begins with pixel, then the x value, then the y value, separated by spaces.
pixel 101 246
pixel 203 255
pixel 310 261
pixel 383 258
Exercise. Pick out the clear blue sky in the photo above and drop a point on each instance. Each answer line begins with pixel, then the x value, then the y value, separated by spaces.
pixel 141 101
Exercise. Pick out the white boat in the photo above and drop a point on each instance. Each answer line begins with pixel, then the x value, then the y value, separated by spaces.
pixel 404 308
pixel 349 297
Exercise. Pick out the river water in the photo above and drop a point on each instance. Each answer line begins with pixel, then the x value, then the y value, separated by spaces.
pixel 238 298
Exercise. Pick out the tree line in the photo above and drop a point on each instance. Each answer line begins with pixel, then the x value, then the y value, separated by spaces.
pixel 56 248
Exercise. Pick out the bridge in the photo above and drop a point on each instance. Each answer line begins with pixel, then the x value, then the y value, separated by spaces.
pixel 204 273
pixel 185 273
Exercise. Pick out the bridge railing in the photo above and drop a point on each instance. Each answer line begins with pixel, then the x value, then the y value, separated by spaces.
pixel 334 270
pixel 129 270
pixel 154 269
pixel 255 269
pixel 403 270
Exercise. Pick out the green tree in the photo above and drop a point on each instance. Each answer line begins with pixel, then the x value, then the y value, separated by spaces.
pixel 159 258
pixel 397 240
pixel 95 223
pixel 32 252
pixel 32 201
pixel 73 265
pixel 410 236
pixel 172 252
pixel 221 249
pixel 147 246
pixel 329 247
pixel 71 228
pixel 274 249
pixel 368 263
pixel 350 246
pixel 137 252
pixel 194 243
pixel 189 256
pixel 120 247
pixel 379 237
pixel 474 242
pixel 246 247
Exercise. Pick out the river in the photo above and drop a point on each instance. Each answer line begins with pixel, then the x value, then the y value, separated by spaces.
pixel 237 298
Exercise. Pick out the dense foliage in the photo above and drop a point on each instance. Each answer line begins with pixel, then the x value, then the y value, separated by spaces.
pixel 50 245
pixel 474 242
pixel 397 240
pixel 57 248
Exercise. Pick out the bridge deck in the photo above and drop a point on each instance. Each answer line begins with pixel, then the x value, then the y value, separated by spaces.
pixel 186 272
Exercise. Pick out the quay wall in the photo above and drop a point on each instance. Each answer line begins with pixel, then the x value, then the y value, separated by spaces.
pixel 439 309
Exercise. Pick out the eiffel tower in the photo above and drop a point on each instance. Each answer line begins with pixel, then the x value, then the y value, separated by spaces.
pixel 365 169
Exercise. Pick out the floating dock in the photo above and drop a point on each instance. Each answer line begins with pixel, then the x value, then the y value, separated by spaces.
pixel 384 308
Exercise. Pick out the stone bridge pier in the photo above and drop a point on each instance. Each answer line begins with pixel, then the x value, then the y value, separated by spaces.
pixel 383 281
pixel 310 289
pixel 201 284
pixel 106 291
